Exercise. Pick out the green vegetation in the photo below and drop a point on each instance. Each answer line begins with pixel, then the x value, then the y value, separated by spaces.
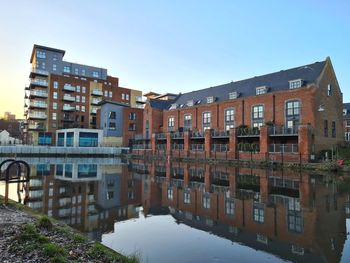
pixel 98 251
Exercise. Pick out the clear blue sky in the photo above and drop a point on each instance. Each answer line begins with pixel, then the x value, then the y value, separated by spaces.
pixel 174 46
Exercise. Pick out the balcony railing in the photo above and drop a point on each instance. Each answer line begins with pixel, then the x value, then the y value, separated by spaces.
pixel 68 87
pixel 161 147
pixel 220 134
pixel 38 82
pixel 197 135
pixel 160 136
pixel 141 146
pixel 140 137
pixel 283 148
pixel 38 93
pixel 97 92
pixel 197 147
pixel 67 97
pixel 35 126
pixel 283 131
pixel 68 119
pixel 177 135
pixel 95 101
pixel 36 71
pixel 37 115
pixel 93 111
pixel 38 104
pixel 219 147
pixel 248 132
pixel 177 146
pixel 67 107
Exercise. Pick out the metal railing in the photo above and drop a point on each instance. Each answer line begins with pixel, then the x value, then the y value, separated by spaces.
pixel 38 104
pixel 97 92
pixel 68 87
pixel 141 146
pixel 219 147
pixel 160 136
pixel 38 93
pixel 220 134
pixel 140 137
pixel 39 82
pixel 161 147
pixel 283 130
pixel 68 98
pixel 248 132
pixel 177 135
pixel 284 148
pixel 195 134
pixel 39 71
pixel 197 147
pixel 177 146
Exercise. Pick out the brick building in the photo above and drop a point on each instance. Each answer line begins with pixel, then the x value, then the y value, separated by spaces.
pixel 294 112
pixel 62 95
pixel 346 115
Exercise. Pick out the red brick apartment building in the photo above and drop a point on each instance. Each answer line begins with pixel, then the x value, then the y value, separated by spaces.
pixel 294 113
pixel 63 95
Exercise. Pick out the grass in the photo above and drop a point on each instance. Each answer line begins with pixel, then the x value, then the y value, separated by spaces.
pixel 44 222
pixel 98 251
pixel 51 250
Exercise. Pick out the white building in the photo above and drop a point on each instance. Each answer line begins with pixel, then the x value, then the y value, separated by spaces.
pixel 6 139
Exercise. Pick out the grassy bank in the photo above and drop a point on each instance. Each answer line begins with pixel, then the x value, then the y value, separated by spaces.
pixel 27 236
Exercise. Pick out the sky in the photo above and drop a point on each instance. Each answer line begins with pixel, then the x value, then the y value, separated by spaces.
pixel 173 46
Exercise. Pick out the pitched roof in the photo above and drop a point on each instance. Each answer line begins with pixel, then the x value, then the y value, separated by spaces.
pixel 160 104
pixel 276 81
pixel 346 106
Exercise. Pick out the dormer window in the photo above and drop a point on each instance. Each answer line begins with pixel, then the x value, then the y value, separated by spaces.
pixel 233 95
pixel 295 84
pixel 261 90
pixel 210 99
pixel 345 111
pixel 190 103
pixel 173 106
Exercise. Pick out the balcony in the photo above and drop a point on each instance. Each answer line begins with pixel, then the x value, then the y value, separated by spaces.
pixel 67 97
pixel 38 72
pixel 36 126
pixel 248 132
pixel 283 131
pixel 68 87
pixel 95 101
pixel 177 147
pixel 141 146
pixel 177 135
pixel 38 83
pixel 197 135
pixel 37 104
pixel 161 147
pixel 68 119
pixel 219 147
pixel 197 147
pixel 141 137
pixel 35 115
pixel 93 111
pixel 67 107
pixel 160 136
pixel 220 134
pixel 38 94
pixel 283 148
pixel 97 92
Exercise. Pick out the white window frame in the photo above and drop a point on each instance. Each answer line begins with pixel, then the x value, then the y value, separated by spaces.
pixel 261 90
pixel 233 95
pixel 295 84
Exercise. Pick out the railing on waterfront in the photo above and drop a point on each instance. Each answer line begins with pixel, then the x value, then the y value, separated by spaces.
pixel 197 147
pixel 283 131
pixel 219 147
pixel 283 148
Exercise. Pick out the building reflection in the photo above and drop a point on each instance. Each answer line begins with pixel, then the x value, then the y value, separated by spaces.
pixel 295 216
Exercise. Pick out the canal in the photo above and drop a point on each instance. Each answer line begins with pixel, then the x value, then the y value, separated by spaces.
pixel 192 212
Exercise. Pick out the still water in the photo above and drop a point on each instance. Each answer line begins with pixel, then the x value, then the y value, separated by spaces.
pixel 181 212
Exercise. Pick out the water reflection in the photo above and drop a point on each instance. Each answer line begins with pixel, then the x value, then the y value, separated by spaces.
pixel 290 215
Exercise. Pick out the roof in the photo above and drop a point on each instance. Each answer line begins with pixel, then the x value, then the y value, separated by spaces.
pixel 347 107
pixel 102 102
pixel 45 48
pixel 160 104
pixel 276 81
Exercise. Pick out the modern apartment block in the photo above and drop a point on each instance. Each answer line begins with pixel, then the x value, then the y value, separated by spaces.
pixel 63 95
pixel 295 112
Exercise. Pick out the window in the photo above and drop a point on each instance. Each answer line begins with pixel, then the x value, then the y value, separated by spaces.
pixel 210 99
pixel 54 105
pixel 261 90
pixel 329 90
pixel 123 96
pixel 292 109
pixel 112 126
pixel 171 123
pixel 110 195
pixel 229 119
pixel 77 108
pixel 173 106
pixel 259 213
pixel 206 201
pixel 88 139
pixel 55 85
pixel 77 88
pixel 83 108
pixel 76 71
pixel 66 69
pixel 295 84
pixel 190 103
pixel 233 95
pixel 325 128
pixel 40 54
pixel 127 96
pixel 112 115
pixel 257 116
pixel 77 99
pixel 170 193
pixel 106 93
pixel 83 89
pixel 187 121
pixel 54 57
pixel 54 67
pixel 110 94
pixel 295 221
pixel 347 124
pixel 345 111
pixel 132 127
pixel 229 206
pixel 54 116
pixel 334 134
pixel 132 116
pixel 83 99
pixel 95 74
pixel 347 136
pixel 54 95
pixel 187 197
pixel 43 65
pixel 206 120
pixel 83 72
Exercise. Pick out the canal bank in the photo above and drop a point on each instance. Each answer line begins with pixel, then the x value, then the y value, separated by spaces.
pixel 28 236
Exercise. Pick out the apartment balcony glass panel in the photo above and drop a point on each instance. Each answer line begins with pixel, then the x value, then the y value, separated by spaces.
pixel 68 87
pixel 38 72
pixel 38 82
pixel 37 115
pixel 36 126
pixel 67 107
pixel 67 97
pixel 95 101
pixel 97 92
pixel 38 93
pixel 37 104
